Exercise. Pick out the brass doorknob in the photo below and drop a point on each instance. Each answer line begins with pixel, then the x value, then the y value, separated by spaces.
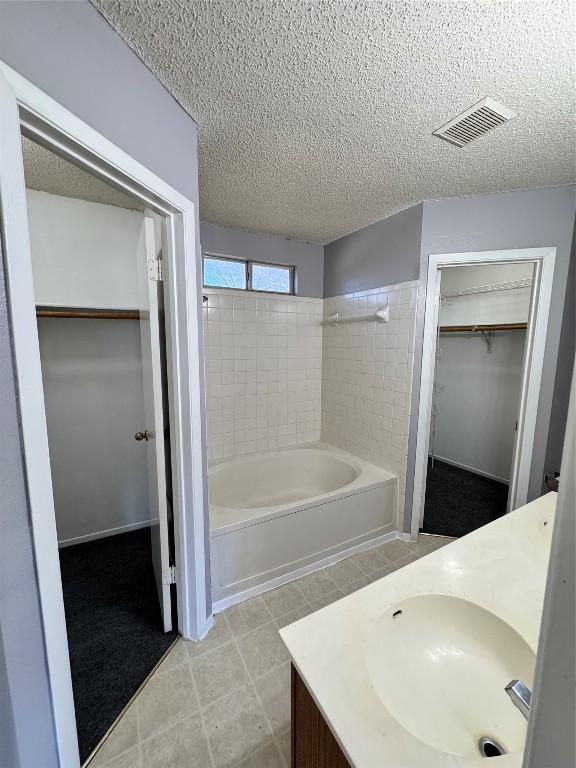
pixel 141 435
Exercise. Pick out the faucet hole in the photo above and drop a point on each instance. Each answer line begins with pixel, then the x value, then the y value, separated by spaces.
pixel 489 747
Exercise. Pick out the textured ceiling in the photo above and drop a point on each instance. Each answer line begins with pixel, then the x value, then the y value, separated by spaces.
pixel 315 118
pixel 46 172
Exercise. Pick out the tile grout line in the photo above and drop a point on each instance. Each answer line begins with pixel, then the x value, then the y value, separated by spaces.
pixel 250 680
pixel 248 683
pixel 172 723
pixel 251 683
pixel 131 702
pixel 201 707
pixel 201 713
pixel 274 738
pixel 204 726
pixel 138 728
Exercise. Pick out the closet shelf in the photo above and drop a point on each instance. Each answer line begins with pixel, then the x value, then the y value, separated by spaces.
pixel 483 327
pixel 87 314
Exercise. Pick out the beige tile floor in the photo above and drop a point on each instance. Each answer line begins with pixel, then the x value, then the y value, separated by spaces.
pixel 225 702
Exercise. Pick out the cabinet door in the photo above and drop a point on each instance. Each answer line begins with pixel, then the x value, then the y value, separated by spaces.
pixel 313 744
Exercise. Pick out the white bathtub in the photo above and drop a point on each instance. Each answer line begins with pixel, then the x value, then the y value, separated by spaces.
pixel 277 515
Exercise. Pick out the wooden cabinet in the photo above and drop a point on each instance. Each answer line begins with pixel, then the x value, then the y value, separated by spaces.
pixel 313 744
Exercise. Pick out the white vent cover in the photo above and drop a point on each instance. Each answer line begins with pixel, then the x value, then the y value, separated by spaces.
pixel 474 122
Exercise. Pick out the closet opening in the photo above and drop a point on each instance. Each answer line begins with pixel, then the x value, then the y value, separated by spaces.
pixel 485 319
pixel 476 393
pixel 100 307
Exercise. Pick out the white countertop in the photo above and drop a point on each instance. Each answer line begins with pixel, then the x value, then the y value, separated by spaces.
pixel 500 567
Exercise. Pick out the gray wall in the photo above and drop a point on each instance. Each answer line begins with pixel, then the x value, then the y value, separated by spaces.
pixel 384 253
pixel 527 219
pixel 563 370
pixel 476 400
pixel 26 724
pixel 70 52
pixel 8 747
pixel 92 376
pixel 550 742
pixel 306 257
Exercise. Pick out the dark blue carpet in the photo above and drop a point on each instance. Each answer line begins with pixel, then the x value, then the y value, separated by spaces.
pixel 458 502
pixel 114 627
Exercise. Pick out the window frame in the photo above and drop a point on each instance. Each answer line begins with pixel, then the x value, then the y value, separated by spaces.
pixel 248 264
pixel 289 268
pixel 219 257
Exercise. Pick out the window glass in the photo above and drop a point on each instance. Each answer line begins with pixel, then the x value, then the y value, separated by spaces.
pixel 224 273
pixel 267 277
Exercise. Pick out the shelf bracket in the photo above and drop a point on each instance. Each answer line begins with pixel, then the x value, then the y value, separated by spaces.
pixel 487 338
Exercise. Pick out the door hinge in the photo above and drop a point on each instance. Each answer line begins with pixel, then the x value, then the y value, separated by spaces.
pixel 156 270
pixel 169 575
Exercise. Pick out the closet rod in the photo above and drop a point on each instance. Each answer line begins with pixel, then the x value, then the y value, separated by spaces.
pixel 87 314
pixel 483 327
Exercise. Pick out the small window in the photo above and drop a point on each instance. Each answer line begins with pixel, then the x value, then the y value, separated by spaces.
pixel 271 278
pixel 224 273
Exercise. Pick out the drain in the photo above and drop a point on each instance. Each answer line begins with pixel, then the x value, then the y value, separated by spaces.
pixel 488 747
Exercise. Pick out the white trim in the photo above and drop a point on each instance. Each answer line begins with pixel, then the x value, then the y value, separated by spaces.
pixel 24 106
pixel 554 675
pixel 317 565
pixel 474 471
pixel 64 130
pixel 532 367
pixel 105 533
pixel 20 292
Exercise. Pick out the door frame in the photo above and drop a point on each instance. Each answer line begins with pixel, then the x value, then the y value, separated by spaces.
pixel 26 109
pixel 544 259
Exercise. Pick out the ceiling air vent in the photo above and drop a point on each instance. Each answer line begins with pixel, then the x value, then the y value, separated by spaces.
pixel 474 122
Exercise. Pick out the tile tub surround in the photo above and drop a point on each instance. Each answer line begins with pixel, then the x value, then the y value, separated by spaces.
pixel 501 567
pixel 263 356
pixel 225 702
pixel 367 378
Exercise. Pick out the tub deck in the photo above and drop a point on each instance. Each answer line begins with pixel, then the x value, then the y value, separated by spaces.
pixel 282 514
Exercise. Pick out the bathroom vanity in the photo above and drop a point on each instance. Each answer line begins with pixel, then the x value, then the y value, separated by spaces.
pixel 412 670
pixel 313 743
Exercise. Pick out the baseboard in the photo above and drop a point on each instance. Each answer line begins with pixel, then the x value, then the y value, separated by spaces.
pixel 239 597
pixel 202 630
pixel 475 471
pixel 104 534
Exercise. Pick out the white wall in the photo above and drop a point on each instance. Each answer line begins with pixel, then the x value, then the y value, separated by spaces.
pixel 263 360
pixel 494 308
pixel 92 375
pixel 477 395
pixel 476 391
pixel 366 378
pixel 84 255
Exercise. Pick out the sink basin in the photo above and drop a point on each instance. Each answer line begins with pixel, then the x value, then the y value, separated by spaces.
pixel 439 664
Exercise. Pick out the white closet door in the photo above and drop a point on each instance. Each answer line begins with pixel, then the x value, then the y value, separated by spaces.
pixel 151 434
